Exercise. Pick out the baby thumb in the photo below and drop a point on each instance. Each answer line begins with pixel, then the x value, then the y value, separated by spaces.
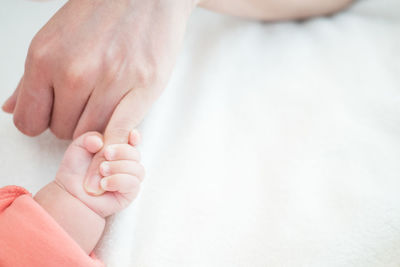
pixel 80 152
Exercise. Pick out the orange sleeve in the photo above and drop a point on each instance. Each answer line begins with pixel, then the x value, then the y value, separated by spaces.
pixel 31 237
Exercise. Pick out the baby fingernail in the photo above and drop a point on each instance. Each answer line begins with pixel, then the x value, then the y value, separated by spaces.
pixel 98 141
pixel 93 143
pixel 92 185
pixel 105 168
pixel 109 153
pixel 103 184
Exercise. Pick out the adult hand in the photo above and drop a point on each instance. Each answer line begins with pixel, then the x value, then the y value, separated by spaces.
pixel 98 65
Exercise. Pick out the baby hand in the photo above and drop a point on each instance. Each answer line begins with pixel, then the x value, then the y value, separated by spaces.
pixel 122 172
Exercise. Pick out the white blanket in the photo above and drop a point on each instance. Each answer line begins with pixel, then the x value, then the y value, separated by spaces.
pixel 273 145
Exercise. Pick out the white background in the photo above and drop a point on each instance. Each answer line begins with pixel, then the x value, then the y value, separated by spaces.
pixel 273 145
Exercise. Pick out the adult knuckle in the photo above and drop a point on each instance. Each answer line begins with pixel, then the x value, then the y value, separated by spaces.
pixel 144 74
pixel 75 76
pixel 114 61
pixel 37 53
pixel 113 70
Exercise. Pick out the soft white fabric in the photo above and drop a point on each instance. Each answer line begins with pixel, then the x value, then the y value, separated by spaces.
pixel 273 145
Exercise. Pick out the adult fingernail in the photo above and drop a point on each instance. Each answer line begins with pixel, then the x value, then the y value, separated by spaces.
pixel 92 185
pixel 105 168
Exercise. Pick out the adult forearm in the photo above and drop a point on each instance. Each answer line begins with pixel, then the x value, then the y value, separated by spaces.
pixel 275 9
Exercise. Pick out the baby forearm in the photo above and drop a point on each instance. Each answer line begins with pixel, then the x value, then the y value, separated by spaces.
pixel 81 223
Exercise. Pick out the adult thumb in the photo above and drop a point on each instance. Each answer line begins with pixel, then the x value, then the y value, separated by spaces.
pixel 126 116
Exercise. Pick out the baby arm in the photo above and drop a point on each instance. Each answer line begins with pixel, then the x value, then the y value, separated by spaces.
pixel 83 216
pixel 80 222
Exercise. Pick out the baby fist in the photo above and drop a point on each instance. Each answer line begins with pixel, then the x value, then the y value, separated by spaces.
pixel 122 172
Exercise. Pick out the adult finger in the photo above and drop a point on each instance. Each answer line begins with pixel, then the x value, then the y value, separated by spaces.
pixel 121 152
pixel 69 103
pixel 126 116
pixel 97 112
pixel 34 103
pixel 10 103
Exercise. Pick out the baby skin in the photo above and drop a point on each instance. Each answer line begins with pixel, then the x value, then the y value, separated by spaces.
pixel 81 215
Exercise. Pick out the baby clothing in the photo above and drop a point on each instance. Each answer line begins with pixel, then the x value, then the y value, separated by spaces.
pixel 31 237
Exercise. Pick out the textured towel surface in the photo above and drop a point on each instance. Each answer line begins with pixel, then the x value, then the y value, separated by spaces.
pixel 273 145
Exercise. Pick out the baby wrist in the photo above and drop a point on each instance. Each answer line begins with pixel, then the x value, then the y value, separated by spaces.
pixel 83 224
